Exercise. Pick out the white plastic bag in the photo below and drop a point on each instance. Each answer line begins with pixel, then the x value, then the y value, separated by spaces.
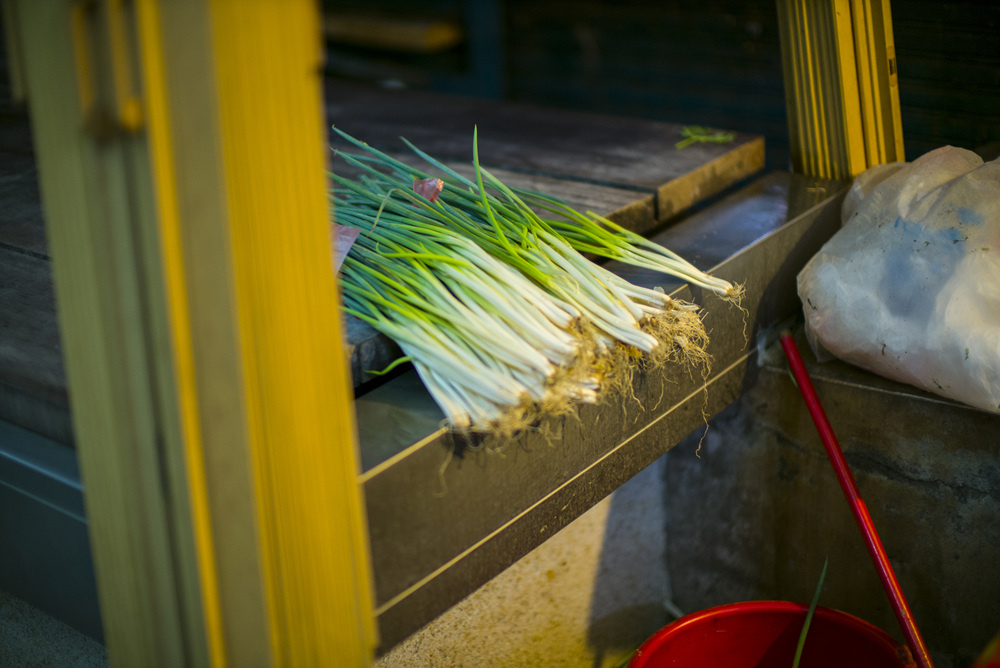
pixel 909 287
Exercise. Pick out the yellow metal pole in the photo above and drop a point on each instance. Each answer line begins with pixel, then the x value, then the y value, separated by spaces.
pixel 883 57
pixel 302 444
pixel 242 151
pixel 840 85
pixel 181 156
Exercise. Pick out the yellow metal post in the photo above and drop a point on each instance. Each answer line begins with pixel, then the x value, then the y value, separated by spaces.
pixel 268 63
pixel 181 158
pixel 840 85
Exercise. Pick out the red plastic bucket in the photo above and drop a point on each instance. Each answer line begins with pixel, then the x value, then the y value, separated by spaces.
pixel 764 634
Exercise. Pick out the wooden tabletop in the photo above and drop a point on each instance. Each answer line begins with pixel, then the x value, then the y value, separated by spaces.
pixel 580 149
pixel 627 169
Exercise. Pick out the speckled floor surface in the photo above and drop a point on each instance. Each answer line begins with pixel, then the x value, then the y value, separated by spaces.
pixel 29 638
pixel 585 598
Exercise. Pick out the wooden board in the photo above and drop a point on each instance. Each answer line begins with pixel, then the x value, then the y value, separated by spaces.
pixel 626 169
pixel 21 222
pixel 401 34
pixel 32 380
pixel 632 154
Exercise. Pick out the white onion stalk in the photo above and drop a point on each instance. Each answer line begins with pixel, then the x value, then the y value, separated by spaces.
pixel 502 317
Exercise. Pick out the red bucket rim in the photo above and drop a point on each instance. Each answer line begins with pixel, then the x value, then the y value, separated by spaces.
pixel 730 609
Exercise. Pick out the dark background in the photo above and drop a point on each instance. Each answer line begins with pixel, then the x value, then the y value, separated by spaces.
pixel 715 63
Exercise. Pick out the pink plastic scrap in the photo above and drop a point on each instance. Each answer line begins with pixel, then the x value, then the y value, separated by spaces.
pixel 342 239
pixel 429 188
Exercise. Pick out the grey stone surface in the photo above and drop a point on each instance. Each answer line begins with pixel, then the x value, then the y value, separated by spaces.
pixel 29 637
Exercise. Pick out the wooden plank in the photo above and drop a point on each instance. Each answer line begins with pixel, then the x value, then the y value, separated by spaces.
pixel 21 222
pixel 21 226
pixel 404 34
pixel 32 379
pixel 33 391
pixel 717 174
pixel 626 153
pixel 30 357
pixel 626 169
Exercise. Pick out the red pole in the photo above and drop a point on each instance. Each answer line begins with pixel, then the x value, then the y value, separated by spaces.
pixel 861 516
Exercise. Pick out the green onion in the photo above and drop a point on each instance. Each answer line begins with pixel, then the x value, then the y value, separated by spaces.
pixel 597 235
pixel 503 318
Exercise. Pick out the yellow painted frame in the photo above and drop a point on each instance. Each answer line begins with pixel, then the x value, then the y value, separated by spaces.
pixel 841 87
pixel 200 323
pixel 268 61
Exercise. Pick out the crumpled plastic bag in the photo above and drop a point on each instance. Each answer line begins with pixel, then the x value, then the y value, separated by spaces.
pixel 909 287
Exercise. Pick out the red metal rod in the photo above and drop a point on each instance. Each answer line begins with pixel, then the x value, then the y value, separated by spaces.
pixel 864 521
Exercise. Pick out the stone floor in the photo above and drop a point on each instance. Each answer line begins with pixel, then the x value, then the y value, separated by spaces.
pixel 29 638
pixel 586 597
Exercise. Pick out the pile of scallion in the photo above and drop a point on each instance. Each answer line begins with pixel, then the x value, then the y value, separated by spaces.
pixel 486 291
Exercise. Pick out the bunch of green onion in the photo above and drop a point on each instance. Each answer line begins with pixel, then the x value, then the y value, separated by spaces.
pixel 501 315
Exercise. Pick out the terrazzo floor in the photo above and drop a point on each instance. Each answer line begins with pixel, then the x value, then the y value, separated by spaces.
pixel 29 638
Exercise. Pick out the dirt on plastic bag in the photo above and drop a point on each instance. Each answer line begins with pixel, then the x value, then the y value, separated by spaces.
pixel 909 287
